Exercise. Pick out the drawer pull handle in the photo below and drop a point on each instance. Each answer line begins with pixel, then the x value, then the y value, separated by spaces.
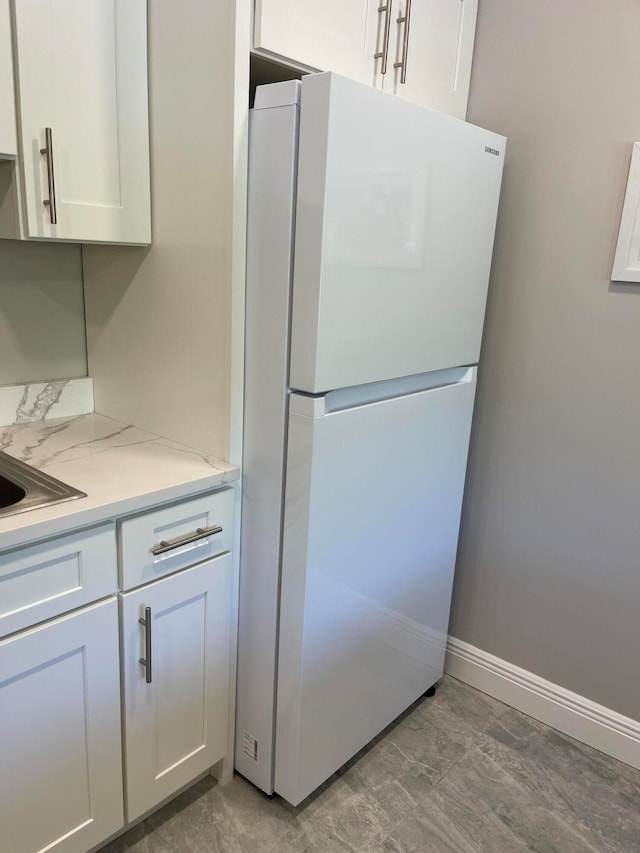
pixel 51 181
pixel 169 544
pixel 382 54
pixel 146 660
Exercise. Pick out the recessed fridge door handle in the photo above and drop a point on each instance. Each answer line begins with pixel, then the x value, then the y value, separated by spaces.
pixel 384 53
pixel 51 180
pixel 146 660
pixel 406 20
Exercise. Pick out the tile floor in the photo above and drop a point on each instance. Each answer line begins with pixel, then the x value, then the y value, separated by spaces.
pixel 458 773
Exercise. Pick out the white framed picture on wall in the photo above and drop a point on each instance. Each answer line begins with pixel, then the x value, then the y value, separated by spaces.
pixel 626 261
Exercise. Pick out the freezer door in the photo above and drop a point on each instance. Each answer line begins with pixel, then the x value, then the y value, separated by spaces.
pixel 395 217
pixel 372 511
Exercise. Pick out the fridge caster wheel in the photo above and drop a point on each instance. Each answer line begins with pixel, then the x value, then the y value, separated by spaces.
pixel 431 691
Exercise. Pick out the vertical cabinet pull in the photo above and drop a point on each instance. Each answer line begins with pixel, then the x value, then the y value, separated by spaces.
pixel 383 54
pixel 146 660
pixel 51 181
pixel 406 20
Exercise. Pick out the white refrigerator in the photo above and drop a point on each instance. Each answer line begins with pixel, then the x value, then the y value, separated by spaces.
pixel 370 233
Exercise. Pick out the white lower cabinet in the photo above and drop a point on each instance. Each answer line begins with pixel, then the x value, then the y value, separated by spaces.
pixel 73 691
pixel 60 746
pixel 176 702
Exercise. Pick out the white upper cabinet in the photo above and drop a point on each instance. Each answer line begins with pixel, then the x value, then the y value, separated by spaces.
pixel 431 53
pixel 81 68
pixel 333 35
pixel 421 50
pixel 8 143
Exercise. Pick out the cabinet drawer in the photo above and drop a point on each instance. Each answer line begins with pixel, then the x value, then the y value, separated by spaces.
pixel 173 537
pixel 45 580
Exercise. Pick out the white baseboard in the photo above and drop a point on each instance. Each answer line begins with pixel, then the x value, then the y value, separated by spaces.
pixel 580 718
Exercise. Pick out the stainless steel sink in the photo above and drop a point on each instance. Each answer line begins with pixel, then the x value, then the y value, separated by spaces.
pixel 23 488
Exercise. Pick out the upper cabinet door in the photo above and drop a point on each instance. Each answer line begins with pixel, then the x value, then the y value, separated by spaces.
pixel 336 35
pixel 421 50
pixel 84 138
pixel 431 52
pixel 8 144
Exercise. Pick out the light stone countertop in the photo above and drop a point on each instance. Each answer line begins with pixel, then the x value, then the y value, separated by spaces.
pixel 122 469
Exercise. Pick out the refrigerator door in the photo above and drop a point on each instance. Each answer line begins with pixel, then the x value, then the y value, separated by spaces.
pixel 372 508
pixel 395 217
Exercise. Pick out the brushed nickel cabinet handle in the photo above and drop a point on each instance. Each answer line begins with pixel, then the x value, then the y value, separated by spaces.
pixel 51 181
pixel 406 20
pixel 169 544
pixel 384 53
pixel 146 660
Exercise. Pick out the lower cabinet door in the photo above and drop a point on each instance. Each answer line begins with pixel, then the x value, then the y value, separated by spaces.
pixel 176 680
pixel 60 745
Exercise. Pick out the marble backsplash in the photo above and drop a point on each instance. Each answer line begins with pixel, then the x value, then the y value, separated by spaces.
pixel 39 401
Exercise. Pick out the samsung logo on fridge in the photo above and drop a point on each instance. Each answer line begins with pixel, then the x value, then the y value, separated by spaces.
pixel 491 150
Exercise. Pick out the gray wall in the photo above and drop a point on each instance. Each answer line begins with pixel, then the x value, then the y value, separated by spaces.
pixel 548 570
pixel 42 333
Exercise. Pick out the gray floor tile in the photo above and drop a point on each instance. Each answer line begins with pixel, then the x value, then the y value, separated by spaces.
pixel 497 815
pixel 597 795
pixel 458 773
pixel 361 818
pixel 427 830
pixel 210 819
pixel 312 837
pixel 459 710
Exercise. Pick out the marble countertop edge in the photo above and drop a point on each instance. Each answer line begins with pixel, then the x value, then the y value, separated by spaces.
pixel 123 470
